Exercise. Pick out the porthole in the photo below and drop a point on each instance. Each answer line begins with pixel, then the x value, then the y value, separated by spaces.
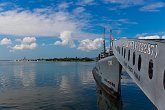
pixel 133 58
pixel 128 55
pixel 119 50
pixel 124 52
pixel 100 91
pixel 150 69
pixel 164 80
pixel 139 62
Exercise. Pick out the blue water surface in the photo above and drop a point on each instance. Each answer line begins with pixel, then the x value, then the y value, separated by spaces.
pixel 60 86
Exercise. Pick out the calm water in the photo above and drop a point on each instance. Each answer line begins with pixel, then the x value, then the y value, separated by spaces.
pixel 61 86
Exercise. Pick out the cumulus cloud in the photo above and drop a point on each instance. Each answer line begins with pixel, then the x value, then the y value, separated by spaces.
pixel 88 45
pixel 27 40
pixel 24 46
pixel 36 23
pixel 5 41
pixel 25 43
pixel 153 7
pixel 46 22
pixel 66 39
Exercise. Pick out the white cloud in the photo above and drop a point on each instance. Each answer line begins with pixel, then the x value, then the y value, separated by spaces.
pixel 78 10
pixel 163 37
pixel 37 23
pixel 153 7
pixel 86 2
pixel 24 46
pixel 125 21
pixel 66 39
pixel 125 3
pixel 63 6
pixel 150 37
pixel 25 43
pixel 46 22
pixel 26 40
pixel 147 6
pixel 29 40
pixel 5 41
pixel 88 45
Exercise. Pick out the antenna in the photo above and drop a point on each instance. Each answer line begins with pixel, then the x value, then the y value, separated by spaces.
pixel 110 48
pixel 104 42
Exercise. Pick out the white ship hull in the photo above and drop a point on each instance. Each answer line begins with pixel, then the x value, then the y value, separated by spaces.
pixel 107 75
pixel 144 62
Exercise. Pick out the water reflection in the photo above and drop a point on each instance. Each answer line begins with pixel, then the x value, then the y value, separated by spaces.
pixel 47 86
pixel 87 78
pixel 17 75
pixel 106 102
pixel 65 84
pixel 25 73
pixel 60 86
pixel 126 79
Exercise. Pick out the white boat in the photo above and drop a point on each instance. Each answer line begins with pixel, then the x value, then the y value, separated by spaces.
pixel 107 73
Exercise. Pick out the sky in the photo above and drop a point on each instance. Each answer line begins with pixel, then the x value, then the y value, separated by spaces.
pixel 70 28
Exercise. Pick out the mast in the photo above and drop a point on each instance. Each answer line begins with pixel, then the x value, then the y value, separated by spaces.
pixel 104 42
pixel 111 43
pixel 110 48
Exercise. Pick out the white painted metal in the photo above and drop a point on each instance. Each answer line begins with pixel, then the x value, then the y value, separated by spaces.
pixel 148 50
pixel 108 69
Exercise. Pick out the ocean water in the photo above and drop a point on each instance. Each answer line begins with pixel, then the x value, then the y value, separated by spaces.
pixel 62 86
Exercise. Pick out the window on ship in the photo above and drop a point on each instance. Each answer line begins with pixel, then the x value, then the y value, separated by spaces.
pixel 133 58
pixel 128 55
pixel 119 50
pixel 164 80
pixel 139 62
pixel 124 52
pixel 150 69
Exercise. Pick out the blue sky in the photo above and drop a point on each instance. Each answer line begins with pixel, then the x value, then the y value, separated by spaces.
pixel 55 28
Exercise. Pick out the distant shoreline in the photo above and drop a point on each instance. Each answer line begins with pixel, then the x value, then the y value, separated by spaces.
pixel 6 60
pixel 85 59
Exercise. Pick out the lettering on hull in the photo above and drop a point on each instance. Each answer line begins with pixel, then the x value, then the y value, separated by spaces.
pixel 132 71
pixel 143 47
pixel 109 82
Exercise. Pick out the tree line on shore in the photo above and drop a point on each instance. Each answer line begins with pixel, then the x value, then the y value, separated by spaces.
pixel 76 59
